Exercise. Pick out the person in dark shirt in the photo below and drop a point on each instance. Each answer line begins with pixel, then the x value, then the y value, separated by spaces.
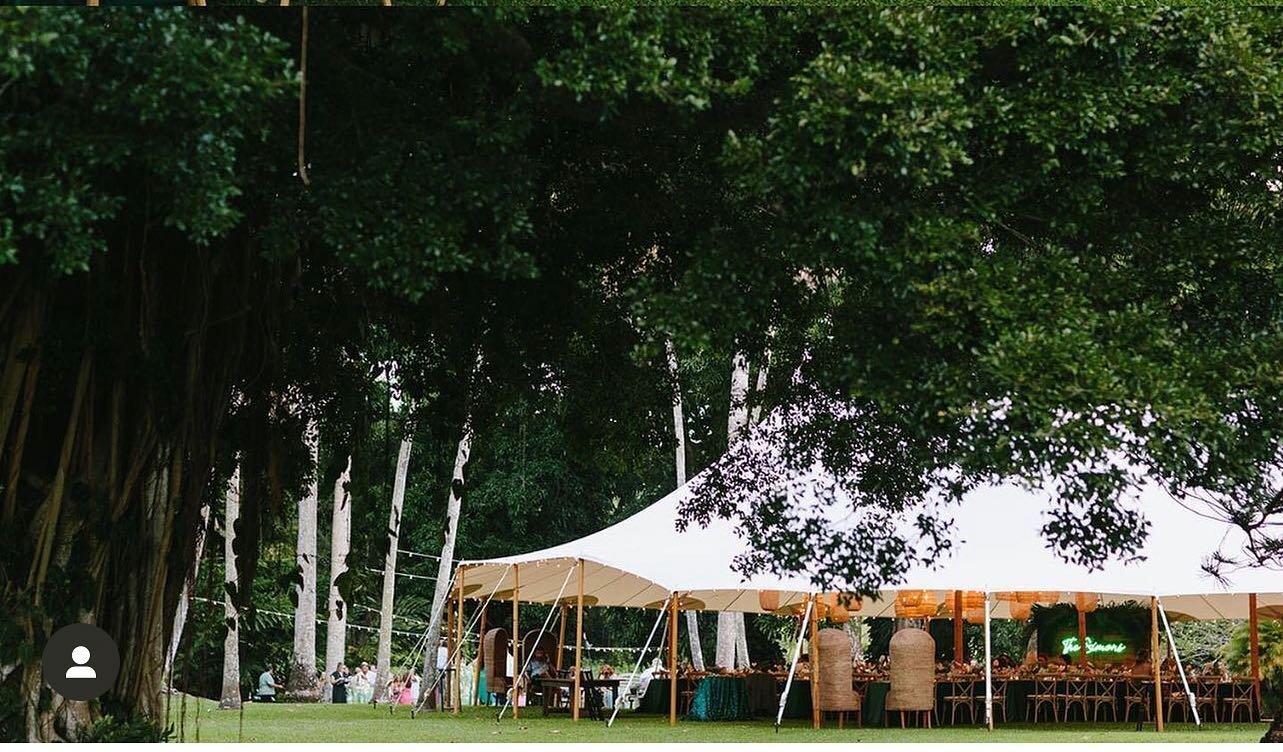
pixel 339 680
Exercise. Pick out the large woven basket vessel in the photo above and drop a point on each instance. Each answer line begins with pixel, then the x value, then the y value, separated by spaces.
pixel 912 671
pixel 836 692
pixel 536 639
pixel 494 659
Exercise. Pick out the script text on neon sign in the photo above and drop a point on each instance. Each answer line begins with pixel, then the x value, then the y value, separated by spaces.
pixel 1069 646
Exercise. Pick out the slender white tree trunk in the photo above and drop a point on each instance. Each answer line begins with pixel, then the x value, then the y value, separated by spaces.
pixel 383 663
pixel 185 599
pixel 301 686
pixel 340 540
pixel 759 388
pixel 679 433
pixel 446 565
pixel 730 625
pixel 737 418
pixel 231 696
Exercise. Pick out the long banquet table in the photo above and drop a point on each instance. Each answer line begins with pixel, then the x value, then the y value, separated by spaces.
pixel 739 696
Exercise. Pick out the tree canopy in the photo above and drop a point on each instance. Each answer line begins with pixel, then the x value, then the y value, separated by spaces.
pixel 968 244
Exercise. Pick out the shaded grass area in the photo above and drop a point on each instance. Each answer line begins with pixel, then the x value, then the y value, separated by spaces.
pixel 363 723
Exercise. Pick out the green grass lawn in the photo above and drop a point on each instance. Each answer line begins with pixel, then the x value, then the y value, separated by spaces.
pixel 363 723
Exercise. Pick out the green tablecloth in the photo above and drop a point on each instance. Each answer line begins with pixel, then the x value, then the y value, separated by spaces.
pixel 720 698
pixel 874 703
pixel 763 694
pixel 656 698
pixel 798 704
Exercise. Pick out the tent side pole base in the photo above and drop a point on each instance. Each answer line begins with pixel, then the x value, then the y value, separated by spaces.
pixel 672 660
pixel 988 668
pixel 1157 664
pixel 797 654
pixel 1180 668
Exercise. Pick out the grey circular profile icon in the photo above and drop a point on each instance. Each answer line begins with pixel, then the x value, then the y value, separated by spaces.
pixel 80 662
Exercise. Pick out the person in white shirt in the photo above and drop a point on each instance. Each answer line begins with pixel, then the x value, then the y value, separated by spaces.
pixel 359 686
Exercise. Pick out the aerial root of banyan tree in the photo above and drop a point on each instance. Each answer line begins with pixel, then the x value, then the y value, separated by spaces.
pixel 116 388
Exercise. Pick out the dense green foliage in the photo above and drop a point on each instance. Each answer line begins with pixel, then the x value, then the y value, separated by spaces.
pixel 995 243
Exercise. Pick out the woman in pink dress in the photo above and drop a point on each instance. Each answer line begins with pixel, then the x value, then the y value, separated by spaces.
pixel 406 696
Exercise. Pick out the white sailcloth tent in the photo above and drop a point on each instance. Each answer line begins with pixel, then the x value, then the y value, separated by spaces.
pixel 998 546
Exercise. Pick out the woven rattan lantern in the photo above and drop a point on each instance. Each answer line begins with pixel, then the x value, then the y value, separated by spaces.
pixel 1048 596
pixel 769 600
pixel 974 615
pixel 1021 611
pixel 973 601
pixel 838 606
pixel 915 604
pixel 1028 597
pixel 1087 602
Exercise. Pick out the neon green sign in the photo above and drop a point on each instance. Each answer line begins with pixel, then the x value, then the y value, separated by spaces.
pixel 1069 646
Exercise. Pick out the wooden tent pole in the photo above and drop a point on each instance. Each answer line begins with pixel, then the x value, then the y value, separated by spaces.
pixel 458 646
pixel 447 691
pixel 958 647
pixel 579 645
pixel 1082 632
pixel 1158 664
pixel 672 660
pixel 815 663
pixel 561 636
pixel 516 641
pixel 1254 644
pixel 481 661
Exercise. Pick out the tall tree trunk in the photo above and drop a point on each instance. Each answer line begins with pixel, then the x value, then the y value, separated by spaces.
pixel 446 565
pixel 185 598
pixel 340 540
pixel 759 389
pixel 679 433
pixel 383 663
pixel 302 685
pixel 730 626
pixel 231 696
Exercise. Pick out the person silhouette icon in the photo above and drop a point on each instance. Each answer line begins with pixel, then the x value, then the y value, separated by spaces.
pixel 81 656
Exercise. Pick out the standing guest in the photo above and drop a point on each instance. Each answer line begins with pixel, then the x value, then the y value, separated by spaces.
pixel 412 679
pixel 338 683
pixel 608 695
pixel 267 685
pixel 394 690
pixel 406 696
pixel 367 683
pixel 356 687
